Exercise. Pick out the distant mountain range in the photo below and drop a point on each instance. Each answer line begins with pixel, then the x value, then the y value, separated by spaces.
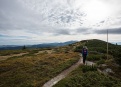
pixel 44 45
pixel 118 43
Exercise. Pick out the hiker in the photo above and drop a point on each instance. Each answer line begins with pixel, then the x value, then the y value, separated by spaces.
pixel 84 53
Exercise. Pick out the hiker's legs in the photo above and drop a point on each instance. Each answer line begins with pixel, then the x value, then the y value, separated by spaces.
pixel 84 58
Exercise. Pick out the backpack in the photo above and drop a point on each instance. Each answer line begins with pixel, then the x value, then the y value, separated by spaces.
pixel 85 51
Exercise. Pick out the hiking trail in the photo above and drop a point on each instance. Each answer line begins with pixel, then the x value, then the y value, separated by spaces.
pixel 64 73
pixel 13 55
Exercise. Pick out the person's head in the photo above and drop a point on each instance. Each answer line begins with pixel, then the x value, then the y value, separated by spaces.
pixel 84 47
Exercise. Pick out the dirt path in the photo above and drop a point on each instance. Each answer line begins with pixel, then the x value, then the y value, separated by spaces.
pixel 63 74
pixel 48 51
pixel 8 56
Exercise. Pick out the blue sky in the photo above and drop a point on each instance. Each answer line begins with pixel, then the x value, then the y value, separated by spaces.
pixel 44 21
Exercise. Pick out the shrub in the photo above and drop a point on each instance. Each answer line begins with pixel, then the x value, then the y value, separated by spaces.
pixel 102 61
pixel 34 70
pixel 93 57
pixel 86 68
pixel 78 49
pixel 88 79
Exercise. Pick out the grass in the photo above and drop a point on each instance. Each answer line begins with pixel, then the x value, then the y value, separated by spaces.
pixel 102 61
pixel 95 57
pixel 98 57
pixel 86 68
pixel 10 52
pixel 34 71
pixel 88 76
pixel 91 78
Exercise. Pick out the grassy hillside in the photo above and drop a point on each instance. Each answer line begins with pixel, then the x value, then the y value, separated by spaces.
pixel 100 47
pixel 40 65
pixel 87 76
pixel 97 52
pixel 34 70
pixel 30 51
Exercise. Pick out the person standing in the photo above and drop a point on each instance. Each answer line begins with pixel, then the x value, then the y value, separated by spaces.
pixel 84 53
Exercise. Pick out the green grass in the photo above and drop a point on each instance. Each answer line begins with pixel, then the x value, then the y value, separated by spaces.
pixel 91 78
pixel 10 52
pixel 95 57
pixel 102 61
pixel 86 68
pixel 34 71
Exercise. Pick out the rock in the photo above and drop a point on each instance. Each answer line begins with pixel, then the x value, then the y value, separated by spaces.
pixel 103 65
pixel 108 70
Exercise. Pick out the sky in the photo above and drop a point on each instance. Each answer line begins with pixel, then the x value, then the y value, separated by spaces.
pixel 25 22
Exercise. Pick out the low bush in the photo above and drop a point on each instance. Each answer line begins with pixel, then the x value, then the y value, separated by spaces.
pixel 102 61
pixel 86 68
pixel 10 52
pixel 91 57
pixel 34 70
pixel 88 79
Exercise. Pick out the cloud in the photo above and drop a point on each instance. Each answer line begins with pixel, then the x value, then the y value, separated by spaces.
pixel 83 31
pixel 62 32
pixel 35 20
pixel 110 31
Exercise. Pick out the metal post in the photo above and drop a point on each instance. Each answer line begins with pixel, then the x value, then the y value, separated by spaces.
pixel 107 44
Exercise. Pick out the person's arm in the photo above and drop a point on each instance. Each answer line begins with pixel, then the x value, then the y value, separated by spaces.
pixel 82 52
pixel 87 52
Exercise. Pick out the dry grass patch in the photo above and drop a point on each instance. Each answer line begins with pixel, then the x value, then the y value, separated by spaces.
pixel 34 70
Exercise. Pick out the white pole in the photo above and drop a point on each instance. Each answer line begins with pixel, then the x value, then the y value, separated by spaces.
pixel 107 44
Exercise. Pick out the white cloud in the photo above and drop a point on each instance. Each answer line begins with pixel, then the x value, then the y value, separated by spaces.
pixel 50 20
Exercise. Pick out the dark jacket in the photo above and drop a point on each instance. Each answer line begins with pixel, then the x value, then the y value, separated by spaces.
pixel 84 52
